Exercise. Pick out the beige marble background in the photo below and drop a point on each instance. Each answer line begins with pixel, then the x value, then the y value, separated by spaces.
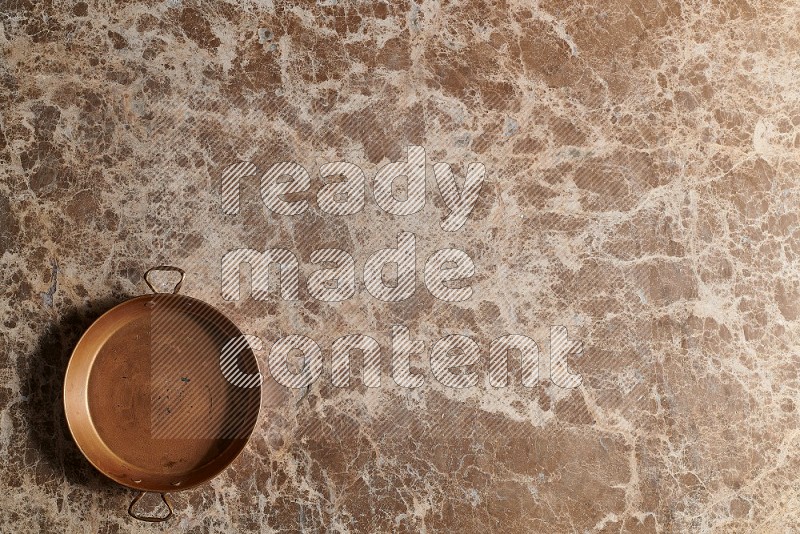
pixel 642 190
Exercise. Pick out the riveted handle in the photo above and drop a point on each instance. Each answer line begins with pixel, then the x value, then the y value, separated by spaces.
pixel 165 268
pixel 149 518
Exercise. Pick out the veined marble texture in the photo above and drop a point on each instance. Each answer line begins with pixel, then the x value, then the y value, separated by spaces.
pixel 642 161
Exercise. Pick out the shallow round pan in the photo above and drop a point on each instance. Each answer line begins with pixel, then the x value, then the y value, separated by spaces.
pixel 148 393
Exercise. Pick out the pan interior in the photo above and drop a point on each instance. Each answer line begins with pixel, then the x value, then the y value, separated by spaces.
pixel 160 406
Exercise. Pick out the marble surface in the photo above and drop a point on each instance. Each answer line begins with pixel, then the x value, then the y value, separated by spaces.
pixel 641 190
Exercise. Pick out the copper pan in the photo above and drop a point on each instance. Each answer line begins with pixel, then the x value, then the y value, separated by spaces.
pixel 149 398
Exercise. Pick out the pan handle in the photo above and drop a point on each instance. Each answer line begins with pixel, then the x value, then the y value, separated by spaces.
pixel 148 518
pixel 165 268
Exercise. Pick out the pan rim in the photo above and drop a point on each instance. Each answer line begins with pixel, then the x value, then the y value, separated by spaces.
pixel 83 401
